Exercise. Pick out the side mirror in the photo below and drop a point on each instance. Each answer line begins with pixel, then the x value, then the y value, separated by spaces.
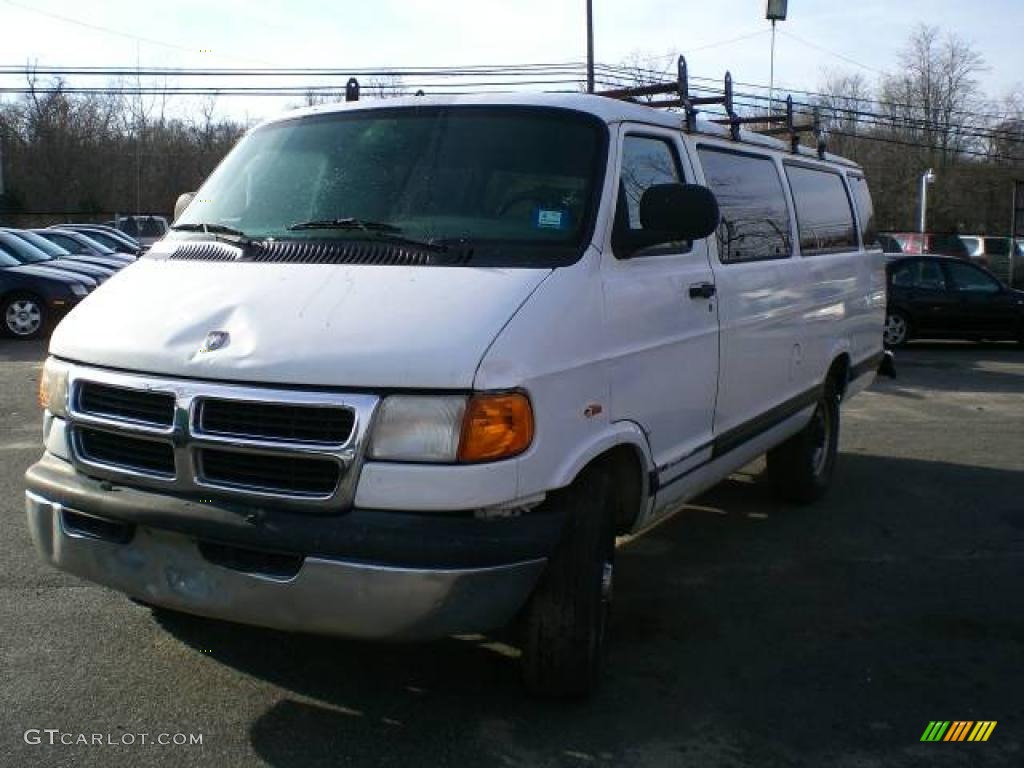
pixel 685 211
pixel 183 202
pixel 671 213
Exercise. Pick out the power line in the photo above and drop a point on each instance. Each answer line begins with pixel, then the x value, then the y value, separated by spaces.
pixel 116 32
pixel 836 54
pixel 626 72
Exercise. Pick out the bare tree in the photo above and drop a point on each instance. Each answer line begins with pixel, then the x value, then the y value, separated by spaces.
pixel 935 98
pixel 640 69
pixel 385 86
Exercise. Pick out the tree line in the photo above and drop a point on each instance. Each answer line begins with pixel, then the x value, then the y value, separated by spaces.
pixel 930 114
pixel 88 155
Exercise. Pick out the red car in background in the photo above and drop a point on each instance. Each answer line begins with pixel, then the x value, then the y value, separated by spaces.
pixel 931 243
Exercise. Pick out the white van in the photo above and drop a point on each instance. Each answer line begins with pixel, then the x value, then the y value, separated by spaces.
pixel 405 369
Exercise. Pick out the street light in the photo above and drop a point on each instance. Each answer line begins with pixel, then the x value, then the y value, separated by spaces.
pixel 927 178
pixel 774 12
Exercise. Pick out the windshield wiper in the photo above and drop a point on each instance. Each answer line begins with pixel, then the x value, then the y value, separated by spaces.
pixel 213 229
pixel 346 223
pixel 379 229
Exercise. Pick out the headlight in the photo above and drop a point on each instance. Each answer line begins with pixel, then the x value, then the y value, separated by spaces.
pixel 53 387
pixel 79 290
pixel 485 427
pixel 414 428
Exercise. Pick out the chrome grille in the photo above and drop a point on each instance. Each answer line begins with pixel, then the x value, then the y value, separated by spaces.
pixel 298 448
pixel 135 453
pixel 310 476
pixel 129 404
pixel 325 425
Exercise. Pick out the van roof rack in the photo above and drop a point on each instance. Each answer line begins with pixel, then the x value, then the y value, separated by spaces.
pixel 775 125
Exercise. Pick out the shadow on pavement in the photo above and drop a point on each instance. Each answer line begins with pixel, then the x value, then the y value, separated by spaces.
pixel 23 351
pixel 745 632
pixel 956 367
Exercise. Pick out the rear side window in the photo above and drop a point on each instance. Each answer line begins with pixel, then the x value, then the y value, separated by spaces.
pixel 920 274
pixel 866 211
pixel 823 212
pixel 755 218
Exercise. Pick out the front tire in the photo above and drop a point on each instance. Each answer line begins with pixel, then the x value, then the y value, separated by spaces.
pixel 23 316
pixel 801 468
pixel 566 619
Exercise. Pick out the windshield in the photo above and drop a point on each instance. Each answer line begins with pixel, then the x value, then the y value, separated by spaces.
pixel 42 244
pixel 492 177
pixel 24 252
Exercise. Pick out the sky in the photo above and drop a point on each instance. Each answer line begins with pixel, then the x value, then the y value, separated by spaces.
pixel 820 36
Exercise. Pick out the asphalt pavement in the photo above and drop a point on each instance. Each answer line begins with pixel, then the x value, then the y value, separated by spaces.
pixel 745 633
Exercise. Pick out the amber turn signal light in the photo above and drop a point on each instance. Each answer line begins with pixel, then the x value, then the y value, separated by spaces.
pixel 43 395
pixel 496 427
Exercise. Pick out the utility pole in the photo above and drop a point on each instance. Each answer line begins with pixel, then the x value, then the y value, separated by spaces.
pixel 1016 228
pixel 138 130
pixel 590 46
pixel 928 177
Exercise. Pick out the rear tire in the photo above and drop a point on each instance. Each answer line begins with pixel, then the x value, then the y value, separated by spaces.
pixel 801 468
pixel 566 619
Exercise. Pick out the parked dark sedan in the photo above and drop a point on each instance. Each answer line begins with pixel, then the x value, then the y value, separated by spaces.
pixel 940 297
pixel 114 239
pixel 82 245
pixel 27 253
pixel 33 298
pixel 113 263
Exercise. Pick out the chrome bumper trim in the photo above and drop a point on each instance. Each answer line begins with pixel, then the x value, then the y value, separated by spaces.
pixel 326 596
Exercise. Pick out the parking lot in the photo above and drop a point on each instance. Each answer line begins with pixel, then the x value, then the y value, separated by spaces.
pixel 745 633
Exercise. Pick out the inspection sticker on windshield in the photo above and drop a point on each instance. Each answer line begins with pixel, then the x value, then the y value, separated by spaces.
pixel 552 219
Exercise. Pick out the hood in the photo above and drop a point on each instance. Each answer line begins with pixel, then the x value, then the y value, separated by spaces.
pixel 106 262
pixel 303 324
pixel 97 273
pixel 54 273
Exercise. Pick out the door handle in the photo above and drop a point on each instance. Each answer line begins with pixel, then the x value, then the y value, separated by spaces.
pixel 702 290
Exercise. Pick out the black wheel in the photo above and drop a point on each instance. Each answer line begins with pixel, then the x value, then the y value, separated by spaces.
pixel 23 315
pixel 567 617
pixel 897 329
pixel 801 468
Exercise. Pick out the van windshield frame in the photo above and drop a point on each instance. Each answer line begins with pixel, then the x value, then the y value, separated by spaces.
pixel 518 186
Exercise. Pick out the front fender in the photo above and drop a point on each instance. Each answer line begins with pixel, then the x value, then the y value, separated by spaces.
pixel 615 434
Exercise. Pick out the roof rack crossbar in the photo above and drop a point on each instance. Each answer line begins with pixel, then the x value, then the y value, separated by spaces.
pixel 783 124
pixel 352 90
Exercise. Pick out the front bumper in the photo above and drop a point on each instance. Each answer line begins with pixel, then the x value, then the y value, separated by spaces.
pixel 430 582
pixel 325 596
